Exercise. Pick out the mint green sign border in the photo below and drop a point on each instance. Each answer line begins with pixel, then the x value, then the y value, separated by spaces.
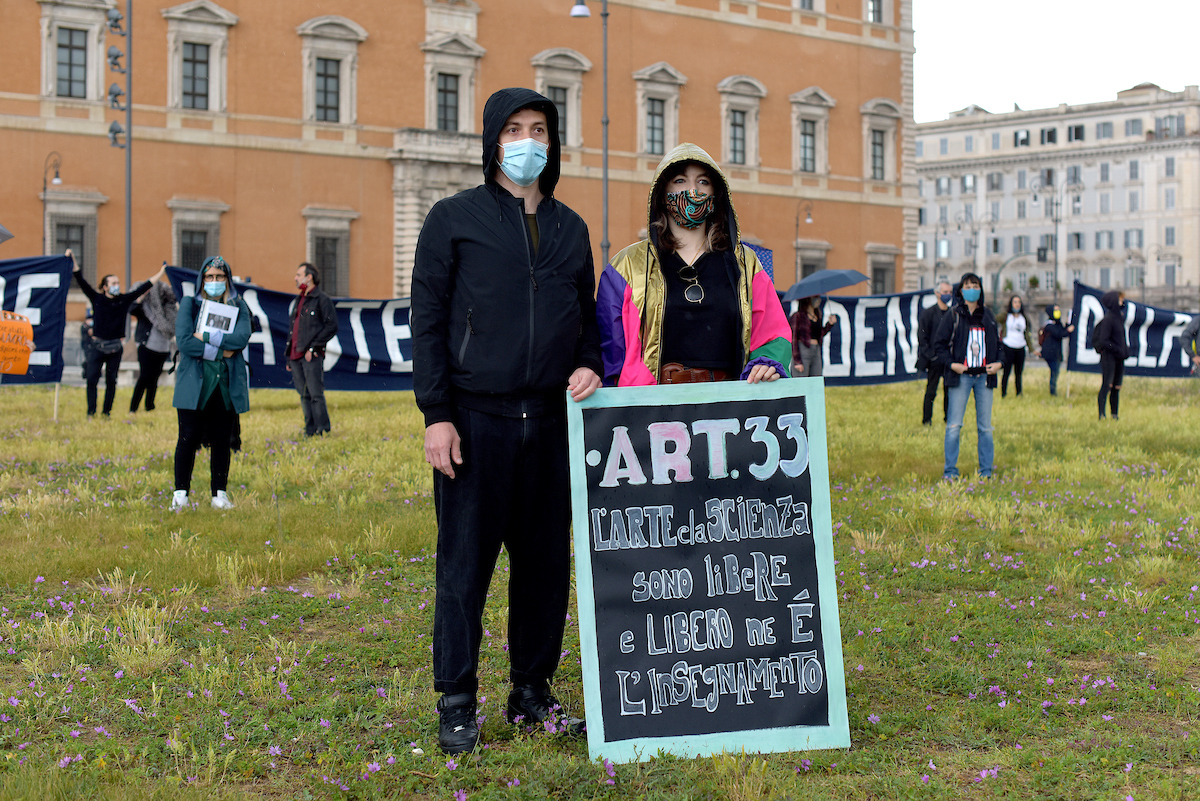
pixel 789 738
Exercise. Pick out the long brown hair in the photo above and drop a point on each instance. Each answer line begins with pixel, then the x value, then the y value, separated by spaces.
pixel 717 223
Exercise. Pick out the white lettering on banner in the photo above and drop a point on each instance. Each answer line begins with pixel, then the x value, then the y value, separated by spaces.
pixel 841 367
pixel 360 336
pixel 1089 310
pixel 392 334
pixel 263 335
pixel 1171 336
pixel 896 332
pixel 25 286
pixel 864 334
pixel 1143 359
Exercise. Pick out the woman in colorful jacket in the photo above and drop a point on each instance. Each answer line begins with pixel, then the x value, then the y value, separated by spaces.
pixel 211 383
pixel 690 302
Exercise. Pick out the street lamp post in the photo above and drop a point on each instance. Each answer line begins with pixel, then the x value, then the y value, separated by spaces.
pixel 54 160
pixel 115 131
pixel 806 206
pixel 1054 201
pixel 975 225
pixel 580 9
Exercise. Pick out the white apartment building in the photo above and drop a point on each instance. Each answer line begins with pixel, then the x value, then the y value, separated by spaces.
pixel 1104 193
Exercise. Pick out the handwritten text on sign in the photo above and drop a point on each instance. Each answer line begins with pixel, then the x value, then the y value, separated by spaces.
pixel 16 343
pixel 703 569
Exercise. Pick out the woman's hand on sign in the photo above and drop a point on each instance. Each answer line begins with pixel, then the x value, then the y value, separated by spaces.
pixel 833 318
pixel 761 372
pixel 583 382
pixel 959 368
pixel 443 447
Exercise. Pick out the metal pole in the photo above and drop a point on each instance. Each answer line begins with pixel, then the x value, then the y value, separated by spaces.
pixel 797 243
pixel 128 145
pixel 604 129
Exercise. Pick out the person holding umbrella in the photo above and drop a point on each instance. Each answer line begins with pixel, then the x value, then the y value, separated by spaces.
pixel 690 303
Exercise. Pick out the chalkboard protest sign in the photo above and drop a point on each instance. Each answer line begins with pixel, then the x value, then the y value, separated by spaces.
pixel 704 568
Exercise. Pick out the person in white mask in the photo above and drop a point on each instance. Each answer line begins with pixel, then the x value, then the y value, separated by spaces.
pixel 503 320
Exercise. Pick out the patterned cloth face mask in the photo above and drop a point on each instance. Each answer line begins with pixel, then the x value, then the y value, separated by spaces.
pixel 690 208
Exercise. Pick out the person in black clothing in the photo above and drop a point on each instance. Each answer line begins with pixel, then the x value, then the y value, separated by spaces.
pixel 109 308
pixel 968 343
pixel 503 321
pixel 1053 334
pixel 87 344
pixel 927 326
pixel 1108 339
pixel 314 323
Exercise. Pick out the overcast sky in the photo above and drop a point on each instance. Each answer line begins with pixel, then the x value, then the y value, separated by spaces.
pixel 1039 53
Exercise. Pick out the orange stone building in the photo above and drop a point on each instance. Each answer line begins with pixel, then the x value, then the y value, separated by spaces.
pixel 275 131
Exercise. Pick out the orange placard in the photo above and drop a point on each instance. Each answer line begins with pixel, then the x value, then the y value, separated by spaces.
pixel 16 343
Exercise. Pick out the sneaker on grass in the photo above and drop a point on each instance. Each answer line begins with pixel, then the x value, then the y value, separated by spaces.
pixel 221 501
pixel 179 500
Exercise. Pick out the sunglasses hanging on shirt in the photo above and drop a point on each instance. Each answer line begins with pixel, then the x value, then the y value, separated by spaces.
pixel 693 292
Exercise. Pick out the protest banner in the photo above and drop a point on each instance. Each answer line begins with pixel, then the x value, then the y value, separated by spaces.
pixel 875 338
pixel 371 352
pixel 36 288
pixel 1153 335
pixel 704 570
pixel 16 343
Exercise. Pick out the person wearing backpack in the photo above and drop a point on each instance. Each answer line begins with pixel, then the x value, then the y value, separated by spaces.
pixel 1050 340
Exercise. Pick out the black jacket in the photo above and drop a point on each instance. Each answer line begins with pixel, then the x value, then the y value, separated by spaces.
pixel 927 326
pixel 950 342
pixel 1109 334
pixel 108 313
pixel 318 323
pixel 1056 332
pixel 497 325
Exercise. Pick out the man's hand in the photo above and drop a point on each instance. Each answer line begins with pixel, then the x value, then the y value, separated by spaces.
pixel 959 367
pixel 288 365
pixel 1070 329
pixel 1196 359
pixel 161 274
pixel 583 382
pixel 70 255
pixel 994 368
pixel 308 355
pixel 762 372
pixel 443 447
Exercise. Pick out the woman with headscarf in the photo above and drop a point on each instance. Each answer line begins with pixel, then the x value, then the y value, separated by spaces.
pixel 690 303
pixel 211 382
pixel 1108 339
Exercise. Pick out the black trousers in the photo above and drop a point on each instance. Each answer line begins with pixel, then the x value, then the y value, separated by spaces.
pixel 1014 361
pixel 511 490
pixel 150 363
pixel 936 376
pixel 111 364
pixel 309 379
pixel 1112 372
pixel 210 426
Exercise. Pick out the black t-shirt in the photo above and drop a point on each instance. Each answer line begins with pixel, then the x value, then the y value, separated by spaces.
pixel 705 334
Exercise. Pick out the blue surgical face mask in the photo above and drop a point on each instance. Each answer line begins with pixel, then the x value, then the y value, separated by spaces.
pixel 214 289
pixel 114 289
pixel 971 294
pixel 946 298
pixel 524 160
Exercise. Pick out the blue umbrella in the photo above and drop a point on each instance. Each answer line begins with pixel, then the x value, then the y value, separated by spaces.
pixel 822 282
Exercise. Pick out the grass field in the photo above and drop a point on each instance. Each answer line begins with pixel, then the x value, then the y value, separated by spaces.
pixel 1033 636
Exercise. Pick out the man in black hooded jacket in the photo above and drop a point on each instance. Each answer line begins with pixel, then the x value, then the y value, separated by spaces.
pixel 1108 339
pixel 503 321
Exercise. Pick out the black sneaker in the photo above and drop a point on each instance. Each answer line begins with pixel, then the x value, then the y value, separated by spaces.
pixel 458 730
pixel 533 705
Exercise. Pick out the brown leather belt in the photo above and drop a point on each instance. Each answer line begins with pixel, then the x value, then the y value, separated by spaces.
pixel 675 373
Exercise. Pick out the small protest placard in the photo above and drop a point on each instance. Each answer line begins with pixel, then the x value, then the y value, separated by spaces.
pixel 216 318
pixel 704 570
pixel 16 343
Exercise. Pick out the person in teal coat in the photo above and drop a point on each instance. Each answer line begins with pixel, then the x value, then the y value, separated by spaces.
pixel 211 381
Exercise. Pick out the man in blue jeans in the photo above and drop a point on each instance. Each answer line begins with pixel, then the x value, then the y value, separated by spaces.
pixel 968 343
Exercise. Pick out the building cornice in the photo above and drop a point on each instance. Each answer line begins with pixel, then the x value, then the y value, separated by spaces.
pixel 1047 156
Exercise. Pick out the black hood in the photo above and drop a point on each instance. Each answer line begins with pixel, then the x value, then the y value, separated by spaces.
pixel 502 105
pixel 1111 301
